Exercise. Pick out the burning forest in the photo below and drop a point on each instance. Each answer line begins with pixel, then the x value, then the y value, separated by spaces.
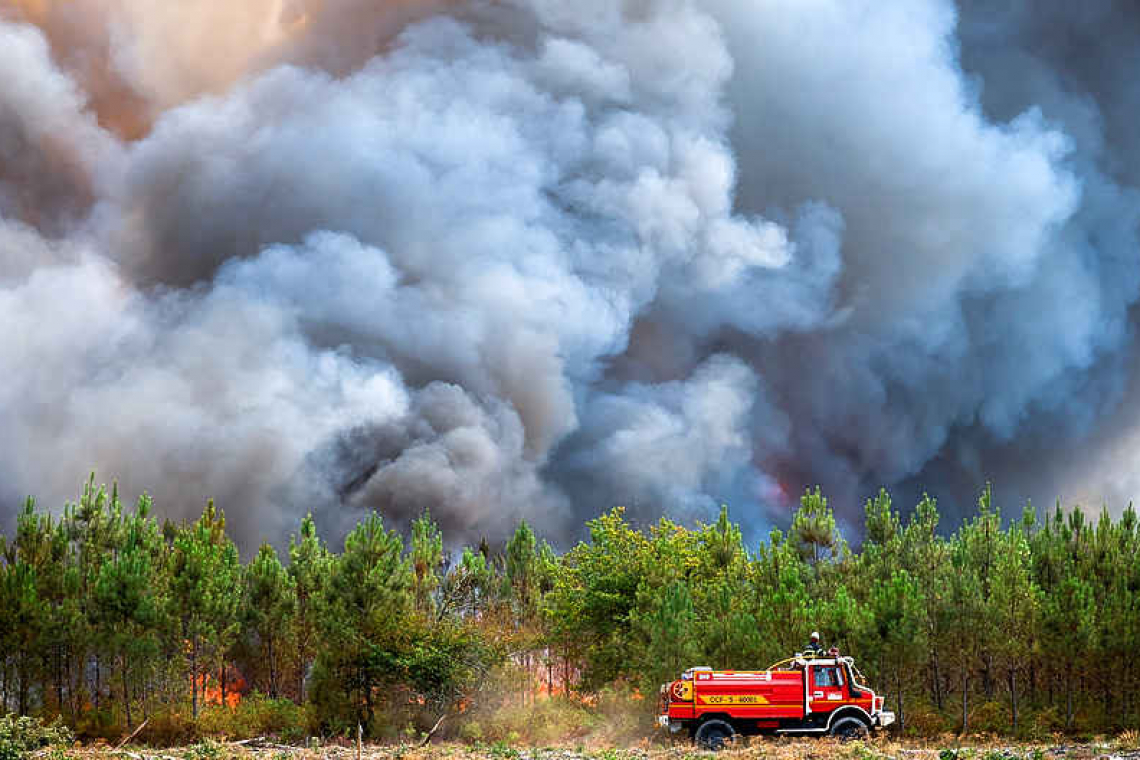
pixel 118 624
pixel 470 274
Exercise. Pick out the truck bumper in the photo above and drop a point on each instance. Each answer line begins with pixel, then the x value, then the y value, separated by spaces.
pixel 885 718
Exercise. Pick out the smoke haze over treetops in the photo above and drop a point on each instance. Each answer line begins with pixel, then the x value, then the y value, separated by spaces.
pixel 533 259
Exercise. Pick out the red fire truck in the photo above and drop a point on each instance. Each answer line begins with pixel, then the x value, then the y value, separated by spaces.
pixel 800 695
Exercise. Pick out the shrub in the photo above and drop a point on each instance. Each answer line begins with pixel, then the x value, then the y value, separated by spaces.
pixel 471 732
pixel 257 715
pixel 206 749
pixel 22 735
pixel 1128 740
pixel 543 723
pixel 168 729
pixel 1048 721
pixel 924 722
pixel 990 717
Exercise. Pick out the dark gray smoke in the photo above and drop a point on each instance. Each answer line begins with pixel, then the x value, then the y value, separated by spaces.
pixel 533 259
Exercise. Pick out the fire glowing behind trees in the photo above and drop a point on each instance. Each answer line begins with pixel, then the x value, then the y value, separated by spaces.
pixel 106 612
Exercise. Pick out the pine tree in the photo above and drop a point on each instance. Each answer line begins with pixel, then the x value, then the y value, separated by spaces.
pixel 269 608
pixel 897 610
pixel 926 556
pixel 1013 608
pixel 670 629
pixel 130 600
pixel 784 605
pixel 309 568
pixel 427 562
pixel 522 572
pixel 206 586
pixel 813 530
pixel 729 634
pixel 370 598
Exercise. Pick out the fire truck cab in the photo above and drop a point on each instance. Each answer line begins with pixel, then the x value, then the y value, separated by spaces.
pixel 821 695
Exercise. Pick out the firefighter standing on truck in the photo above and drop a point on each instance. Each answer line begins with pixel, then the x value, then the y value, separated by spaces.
pixel 814 647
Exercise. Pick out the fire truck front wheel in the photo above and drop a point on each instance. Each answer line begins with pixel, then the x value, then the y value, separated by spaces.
pixel 714 734
pixel 849 728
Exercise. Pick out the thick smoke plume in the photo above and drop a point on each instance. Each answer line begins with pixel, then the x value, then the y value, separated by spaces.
pixel 530 259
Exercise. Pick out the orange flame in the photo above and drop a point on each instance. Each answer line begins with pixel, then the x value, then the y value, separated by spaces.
pixel 212 690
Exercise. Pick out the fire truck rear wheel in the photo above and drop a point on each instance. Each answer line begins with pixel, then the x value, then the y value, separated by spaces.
pixel 715 734
pixel 847 729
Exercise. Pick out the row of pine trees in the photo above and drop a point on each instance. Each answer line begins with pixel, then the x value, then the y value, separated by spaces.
pixel 109 616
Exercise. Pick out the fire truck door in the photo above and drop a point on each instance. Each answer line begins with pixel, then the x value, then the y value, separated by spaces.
pixel 826 688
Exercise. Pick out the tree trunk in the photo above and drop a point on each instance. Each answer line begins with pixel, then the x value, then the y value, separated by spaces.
pixel 98 685
pixel 194 677
pixel 272 668
pixel 899 698
pixel 368 709
pixel 224 703
pixel 301 675
pixel 937 681
pixel 1126 702
pixel 1069 698
pixel 59 678
pixel 126 695
pixel 1013 696
pixel 22 702
pixel 73 683
pixel 965 700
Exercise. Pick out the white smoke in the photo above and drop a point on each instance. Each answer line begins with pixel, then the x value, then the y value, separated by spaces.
pixel 508 260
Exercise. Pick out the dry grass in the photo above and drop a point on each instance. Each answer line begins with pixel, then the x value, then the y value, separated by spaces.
pixel 884 748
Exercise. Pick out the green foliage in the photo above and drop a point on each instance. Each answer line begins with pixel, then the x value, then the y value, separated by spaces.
pixel 206 588
pixel 22 735
pixel 670 628
pixel 427 561
pixel 813 530
pixel 258 715
pixel 108 616
pixel 369 599
pixel 207 749
pixel 268 613
pixel 309 566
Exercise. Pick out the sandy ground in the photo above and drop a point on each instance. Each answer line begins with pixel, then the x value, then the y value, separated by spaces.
pixel 779 749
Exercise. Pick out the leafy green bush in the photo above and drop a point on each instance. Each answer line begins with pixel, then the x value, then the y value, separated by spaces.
pixel 471 732
pixel 206 749
pixel 257 715
pixel 21 735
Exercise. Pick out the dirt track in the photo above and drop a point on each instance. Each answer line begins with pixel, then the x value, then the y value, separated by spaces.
pixel 784 749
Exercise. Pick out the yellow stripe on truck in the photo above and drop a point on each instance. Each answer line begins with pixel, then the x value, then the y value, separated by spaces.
pixel 731 699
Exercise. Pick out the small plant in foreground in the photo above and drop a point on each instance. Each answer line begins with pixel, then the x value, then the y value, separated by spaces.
pixel 207 749
pixel 1128 740
pixel 19 736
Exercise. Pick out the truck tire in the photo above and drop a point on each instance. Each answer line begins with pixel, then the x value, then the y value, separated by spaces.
pixel 849 728
pixel 714 735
